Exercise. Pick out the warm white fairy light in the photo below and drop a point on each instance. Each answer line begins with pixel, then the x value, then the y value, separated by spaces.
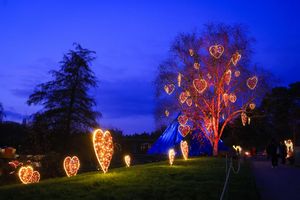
pixel 184 149
pixel 216 51
pixel 289 147
pixel 171 156
pixel 103 146
pixel 127 160
pixel 71 165
pixel 167 113
pixel 28 175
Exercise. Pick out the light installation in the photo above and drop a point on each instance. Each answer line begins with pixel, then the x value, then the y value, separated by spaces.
pixel 189 102
pixel 235 58
pixel 127 160
pixel 237 73
pixel 251 82
pixel 184 149
pixel 104 149
pixel 184 129
pixel 183 119
pixel 237 148
pixel 184 96
pixel 28 175
pixel 169 88
pixel 171 156
pixel 71 165
pixel 227 76
pixel 200 85
pixel 252 106
pixel 289 147
pixel 196 65
pixel 216 51
pixel 167 113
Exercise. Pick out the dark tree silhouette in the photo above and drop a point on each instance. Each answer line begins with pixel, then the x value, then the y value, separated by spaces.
pixel 1 113
pixel 209 78
pixel 67 106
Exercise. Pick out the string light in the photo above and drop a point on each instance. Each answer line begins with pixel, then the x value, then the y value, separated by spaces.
pixel 183 96
pixel 235 58
pixel 171 156
pixel 184 129
pixel 28 175
pixel 71 165
pixel 184 149
pixel 169 88
pixel 103 146
pixel 216 51
pixel 251 82
pixel 127 160
pixel 200 85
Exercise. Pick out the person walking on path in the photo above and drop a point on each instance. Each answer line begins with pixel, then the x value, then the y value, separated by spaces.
pixel 273 152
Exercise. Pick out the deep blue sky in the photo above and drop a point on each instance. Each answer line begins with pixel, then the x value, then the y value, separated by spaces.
pixel 131 38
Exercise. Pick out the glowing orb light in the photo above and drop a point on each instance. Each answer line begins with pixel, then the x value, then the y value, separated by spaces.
pixel 232 98
pixel 252 106
pixel 200 85
pixel 225 98
pixel 184 149
pixel 127 160
pixel 71 165
pixel 104 149
pixel 251 82
pixel 244 118
pixel 28 175
pixel 169 88
pixel 216 51
pixel 171 156
pixel 235 58
pixel 184 129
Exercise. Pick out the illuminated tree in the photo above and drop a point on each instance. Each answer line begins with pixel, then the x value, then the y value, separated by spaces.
pixel 67 106
pixel 209 79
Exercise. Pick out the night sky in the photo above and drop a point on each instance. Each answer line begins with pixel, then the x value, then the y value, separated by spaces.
pixel 131 38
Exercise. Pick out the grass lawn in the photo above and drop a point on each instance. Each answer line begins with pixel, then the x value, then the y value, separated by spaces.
pixel 197 178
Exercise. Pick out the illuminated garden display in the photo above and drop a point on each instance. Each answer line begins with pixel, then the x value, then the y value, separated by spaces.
pixel 104 149
pixel 210 81
pixel 171 156
pixel 127 160
pixel 184 149
pixel 71 165
pixel 28 175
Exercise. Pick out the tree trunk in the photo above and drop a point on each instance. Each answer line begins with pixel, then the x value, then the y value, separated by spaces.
pixel 215 146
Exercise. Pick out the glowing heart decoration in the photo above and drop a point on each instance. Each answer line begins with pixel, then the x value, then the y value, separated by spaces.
pixel 225 98
pixel 189 102
pixel 71 165
pixel 184 149
pixel 251 82
pixel 171 156
pixel 244 118
pixel 232 98
pixel 28 175
pixel 252 106
pixel 127 160
pixel 191 51
pixel 200 85
pixel 227 76
pixel 167 113
pixel 196 65
pixel 104 149
pixel 179 77
pixel 184 96
pixel 169 88
pixel 184 129
pixel 216 51
pixel 237 73
pixel 208 76
pixel 182 119
pixel 235 58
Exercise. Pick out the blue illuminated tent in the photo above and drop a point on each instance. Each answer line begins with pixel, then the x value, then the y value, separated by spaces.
pixel 171 138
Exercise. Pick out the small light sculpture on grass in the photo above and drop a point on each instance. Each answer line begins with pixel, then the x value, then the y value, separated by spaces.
pixel 71 165
pixel 127 160
pixel 28 175
pixel 171 156
pixel 184 149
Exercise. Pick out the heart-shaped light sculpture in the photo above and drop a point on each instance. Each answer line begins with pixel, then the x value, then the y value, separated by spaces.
pixel 71 165
pixel 235 58
pixel 189 102
pixel 251 82
pixel 184 149
pixel 252 106
pixel 184 129
pixel 237 73
pixel 183 96
pixel 216 51
pixel 28 175
pixel 169 88
pixel 200 85
pixel 104 149
pixel 182 119
pixel 227 76
pixel 171 156
pixel 127 160
pixel 232 98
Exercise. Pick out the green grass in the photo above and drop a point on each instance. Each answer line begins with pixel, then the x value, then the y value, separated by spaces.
pixel 197 178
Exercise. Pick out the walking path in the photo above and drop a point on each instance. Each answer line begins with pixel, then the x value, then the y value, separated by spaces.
pixel 281 183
